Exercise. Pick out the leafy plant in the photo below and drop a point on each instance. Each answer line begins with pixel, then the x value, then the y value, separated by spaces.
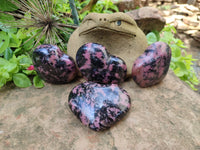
pixel 41 16
pixel 105 6
pixel 181 62
pixel 25 24
pixel 18 69
pixel 7 6
pixel 15 61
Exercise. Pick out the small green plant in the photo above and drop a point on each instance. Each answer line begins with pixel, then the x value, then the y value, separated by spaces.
pixel 106 6
pixel 31 22
pixel 181 62
pixel 63 8
pixel 15 59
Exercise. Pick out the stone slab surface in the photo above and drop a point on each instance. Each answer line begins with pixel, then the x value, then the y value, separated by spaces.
pixel 166 116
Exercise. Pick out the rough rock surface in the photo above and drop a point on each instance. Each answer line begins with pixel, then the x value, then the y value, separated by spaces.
pixel 186 18
pixel 165 116
pixel 124 5
pixel 148 19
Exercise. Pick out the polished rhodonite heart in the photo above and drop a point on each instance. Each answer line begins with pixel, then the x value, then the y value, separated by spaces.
pixel 152 66
pixel 99 106
pixel 97 65
pixel 52 65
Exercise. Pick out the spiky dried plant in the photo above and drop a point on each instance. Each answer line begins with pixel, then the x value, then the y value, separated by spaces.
pixel 42 17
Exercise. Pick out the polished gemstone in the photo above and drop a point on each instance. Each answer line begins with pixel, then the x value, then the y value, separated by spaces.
pixel 152 66
pixel 52 65
pixel 97 65
pixel 99 106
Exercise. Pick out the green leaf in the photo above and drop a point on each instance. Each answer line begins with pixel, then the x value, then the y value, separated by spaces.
pixel 191 85
pixel 26 61
pixel 168 37
pixel 29 72
pixel 38 82
pixel 8 53
pixel 14 60
pixel 7 6
pixel 176 51
pixel 157 34
pixel 180 43
pixel 12 67
pixel 178 72
pixel 18 51
pixel 28 45
pixel 151 38
pixel 5 75
pixel 22 33
pixel 169 28
pixel 3 62
pixel 2 81
pixel 14 41
pixel 21 80
pixel 4 41
pixel 4 18
pixel 182 66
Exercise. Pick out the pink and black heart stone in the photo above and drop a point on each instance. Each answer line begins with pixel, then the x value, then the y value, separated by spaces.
pixel 97 65
pixel 152 66
pixel 52 65
pixel 99 106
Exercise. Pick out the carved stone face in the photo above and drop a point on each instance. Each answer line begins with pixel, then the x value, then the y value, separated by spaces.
pixel 118 32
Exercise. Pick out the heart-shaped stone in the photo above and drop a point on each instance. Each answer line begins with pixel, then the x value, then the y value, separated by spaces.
pixel 97 65
pixel 99 106
pixel 52 65
pixel 152 66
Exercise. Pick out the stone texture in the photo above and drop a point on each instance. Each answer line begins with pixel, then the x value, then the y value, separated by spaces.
pixel 118 32
pixel 191 21
pixel 165 116
pixel 151 67
pixel 182 1
pixel 99 106
pixel 198 17
pixel 170 20
pixel 148 19
pixel 97 65
pixel 180 25
pixel 192 8
pixel 52 65
pixel 193 33
pixel 166 13
pixel 125 5
pixel 183 11
pixel 184 21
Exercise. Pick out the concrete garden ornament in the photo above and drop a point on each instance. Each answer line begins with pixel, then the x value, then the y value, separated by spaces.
pixel 108 48
pixel 118 32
